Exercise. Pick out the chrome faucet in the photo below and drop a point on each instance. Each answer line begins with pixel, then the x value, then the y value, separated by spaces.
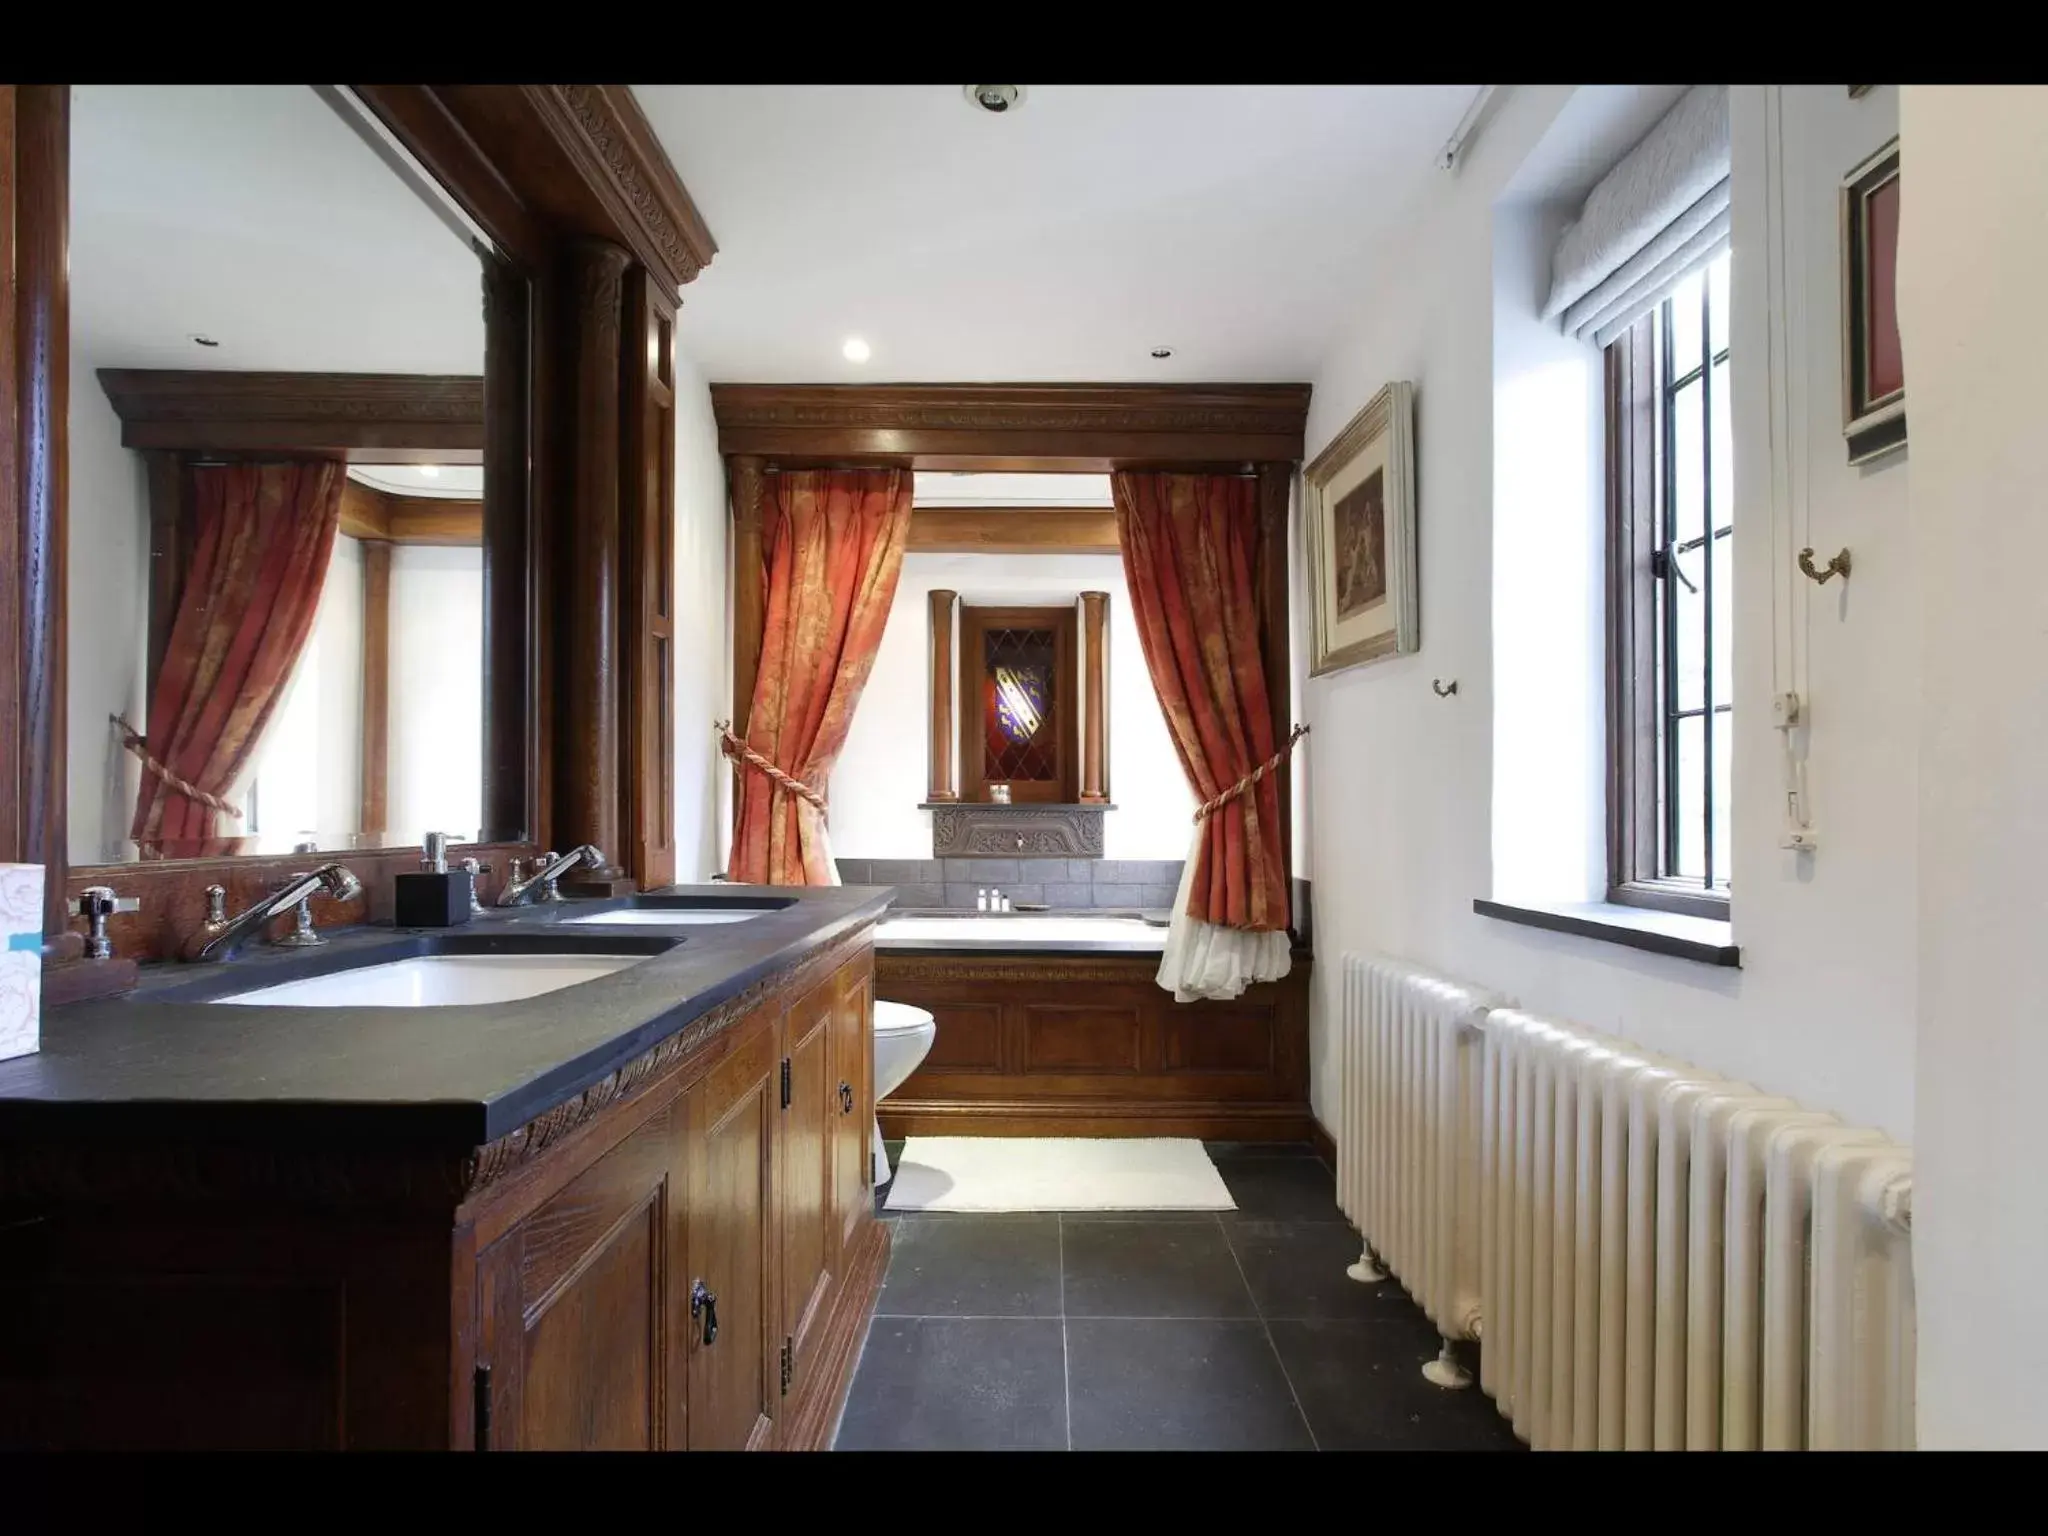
pixel 539 885
pixel 220 935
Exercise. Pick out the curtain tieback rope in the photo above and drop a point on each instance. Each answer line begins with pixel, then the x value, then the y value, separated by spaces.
pixel 739 751
pixel 1209 808
pixel 132 740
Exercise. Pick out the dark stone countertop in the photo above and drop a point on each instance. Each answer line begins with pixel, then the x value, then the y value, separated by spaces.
pixel 164 1061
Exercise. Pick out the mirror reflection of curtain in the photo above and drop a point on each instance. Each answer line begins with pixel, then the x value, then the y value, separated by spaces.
pixel 263 537
pixel 833 542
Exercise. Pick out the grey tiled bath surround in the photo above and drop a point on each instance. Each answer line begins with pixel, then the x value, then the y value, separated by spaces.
pixel 1060 883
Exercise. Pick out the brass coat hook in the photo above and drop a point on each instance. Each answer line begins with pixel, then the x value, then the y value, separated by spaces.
pixel 1442 689
pixel 1839 566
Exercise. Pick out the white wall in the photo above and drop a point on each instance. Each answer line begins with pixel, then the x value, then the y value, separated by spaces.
pixel 1404 787
pixel 882 774
pixel 1972 308
pixel 107 629
pixel 703 632
pixel 434 764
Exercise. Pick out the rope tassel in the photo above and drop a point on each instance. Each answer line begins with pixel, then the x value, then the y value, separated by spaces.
pixel 132 740
pixel 1209 808
pixel 739 751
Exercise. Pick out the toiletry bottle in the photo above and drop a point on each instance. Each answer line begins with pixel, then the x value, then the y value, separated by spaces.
pixel 981 900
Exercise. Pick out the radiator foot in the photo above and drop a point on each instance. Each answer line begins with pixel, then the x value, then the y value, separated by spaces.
pixel 1444 1370
pixel 1366 1271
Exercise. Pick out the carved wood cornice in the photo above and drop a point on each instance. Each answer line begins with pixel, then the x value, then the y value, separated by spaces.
pixel 606 135
pixel 1016 831
pixel 941 425
pixel 227 411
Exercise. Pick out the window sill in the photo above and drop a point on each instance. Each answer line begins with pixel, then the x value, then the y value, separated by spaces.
pixel 1701 939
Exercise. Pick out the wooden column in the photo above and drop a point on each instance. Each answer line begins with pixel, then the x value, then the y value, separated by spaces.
pixel 1276 633
pixel 1094 698
pixel 648 515
pixel 940 784
pixel 511 742
pixel 376 772
pixel 35 378
pixel 589 681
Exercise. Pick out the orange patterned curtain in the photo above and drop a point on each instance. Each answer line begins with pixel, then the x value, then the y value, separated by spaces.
pixel 833 542
pixel 1190 547
pixel 262 537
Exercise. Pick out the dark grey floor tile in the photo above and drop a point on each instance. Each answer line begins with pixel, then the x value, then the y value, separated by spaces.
pixel 1361 1385
pixel 973 1266
pixel 1281 1188
pixel 1296 1270
pixel 1178 1386
pixel 1151 1269
pixel 958 1384
pixel 1070 1217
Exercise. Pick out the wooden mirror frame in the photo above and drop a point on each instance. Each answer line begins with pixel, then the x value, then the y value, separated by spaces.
pixel 594 236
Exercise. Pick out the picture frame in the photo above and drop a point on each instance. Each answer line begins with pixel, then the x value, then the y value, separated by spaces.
pixel 1358 519
pixel 1873 366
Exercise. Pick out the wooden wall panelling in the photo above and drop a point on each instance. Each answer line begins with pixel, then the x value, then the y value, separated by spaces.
pixel 1081 427
pixel 939 783
pixel 376 733
pixel 1276 638
pixel 170 554
pixel 370 513
pixel 1094 697
pixel 647 417
pixel 515 670
pixel 591 680
pixel 406 418
pixel 1070 1045
pixel 1013 531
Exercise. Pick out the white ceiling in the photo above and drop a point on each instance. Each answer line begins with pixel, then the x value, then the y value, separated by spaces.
pixel 941 488
pixel 1063 240
pixel 254 215
pixel 456 482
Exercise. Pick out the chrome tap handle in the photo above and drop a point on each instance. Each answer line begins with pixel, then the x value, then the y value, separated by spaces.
pixel 550 890
pixel 303 934
pixel 216 906
pixel 473 869
pixel 96 903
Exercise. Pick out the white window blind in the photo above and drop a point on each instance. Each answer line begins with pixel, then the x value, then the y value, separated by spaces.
pixel 1658 216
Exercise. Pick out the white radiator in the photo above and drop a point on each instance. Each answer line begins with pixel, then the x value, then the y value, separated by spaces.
pixel 1407 1174
pixel 1664 1258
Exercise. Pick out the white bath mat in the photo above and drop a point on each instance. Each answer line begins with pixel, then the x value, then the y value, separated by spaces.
pixel 1056 1173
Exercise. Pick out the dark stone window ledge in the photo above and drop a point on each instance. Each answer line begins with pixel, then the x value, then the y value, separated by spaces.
pixel 1709 941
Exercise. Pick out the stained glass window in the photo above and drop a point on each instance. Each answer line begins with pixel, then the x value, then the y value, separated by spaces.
pixel 1019 676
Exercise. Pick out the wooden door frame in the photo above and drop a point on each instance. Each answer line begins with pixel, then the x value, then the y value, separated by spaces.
pixel 537 169
pixel 1256 429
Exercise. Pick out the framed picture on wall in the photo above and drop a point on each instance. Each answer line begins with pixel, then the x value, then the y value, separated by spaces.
pixel 1358 516
pixel 1873 362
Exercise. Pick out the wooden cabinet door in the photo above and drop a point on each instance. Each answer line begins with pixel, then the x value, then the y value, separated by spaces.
pixel 810 1249
pixel 733 1344
pixel 581 1326
pixel 853 1124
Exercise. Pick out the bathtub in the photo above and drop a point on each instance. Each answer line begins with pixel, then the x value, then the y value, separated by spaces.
pixel 1067 932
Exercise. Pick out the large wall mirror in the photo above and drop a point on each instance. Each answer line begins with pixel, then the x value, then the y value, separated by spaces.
pixel 276 616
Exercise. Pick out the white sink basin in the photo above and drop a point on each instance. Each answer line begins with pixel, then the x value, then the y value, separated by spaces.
pixel 670 917
pixel 430 981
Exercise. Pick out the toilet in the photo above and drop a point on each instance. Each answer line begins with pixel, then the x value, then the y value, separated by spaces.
pixel 902 1036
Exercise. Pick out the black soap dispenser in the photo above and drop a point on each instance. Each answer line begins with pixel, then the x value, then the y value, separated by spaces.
pixel 436 896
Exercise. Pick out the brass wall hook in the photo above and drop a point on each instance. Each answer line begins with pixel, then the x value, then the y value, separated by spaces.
pixel 1442 689
pixel 1839 566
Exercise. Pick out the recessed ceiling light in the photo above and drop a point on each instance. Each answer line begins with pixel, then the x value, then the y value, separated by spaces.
pixel 431 471
pixel 204 341
pixel 1162 351
pixel 995 98
pixel 855 350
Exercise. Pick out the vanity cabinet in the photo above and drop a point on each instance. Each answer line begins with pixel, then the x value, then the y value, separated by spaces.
pixel 680 1256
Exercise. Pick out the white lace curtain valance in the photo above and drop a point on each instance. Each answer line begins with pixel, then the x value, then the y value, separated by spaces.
pixel 1658 216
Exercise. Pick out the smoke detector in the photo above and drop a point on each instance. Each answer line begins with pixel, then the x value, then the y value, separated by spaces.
pixel 995 98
